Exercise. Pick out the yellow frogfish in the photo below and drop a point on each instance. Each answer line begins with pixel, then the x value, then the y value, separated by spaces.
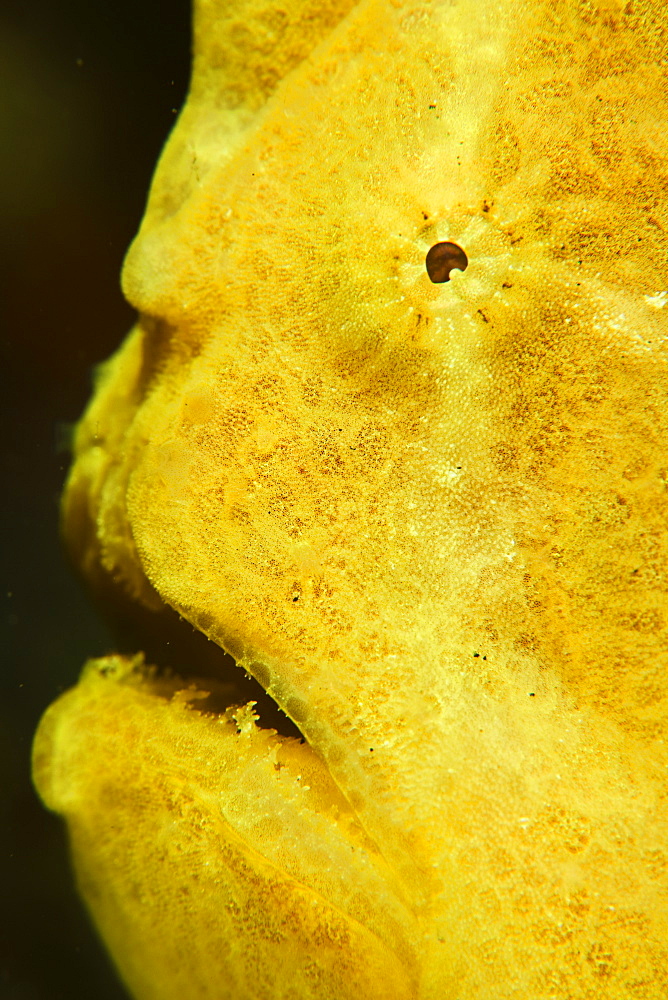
pixel 376 491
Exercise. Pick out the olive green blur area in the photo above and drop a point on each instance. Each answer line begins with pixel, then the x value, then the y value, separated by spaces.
pixel 88 94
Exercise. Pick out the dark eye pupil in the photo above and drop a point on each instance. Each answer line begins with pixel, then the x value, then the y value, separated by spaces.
pixel 442 258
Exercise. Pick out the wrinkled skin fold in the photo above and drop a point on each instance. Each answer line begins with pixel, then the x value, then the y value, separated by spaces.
pixel 429 519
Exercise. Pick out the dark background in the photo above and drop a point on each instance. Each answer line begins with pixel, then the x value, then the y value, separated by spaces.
pixel 88 94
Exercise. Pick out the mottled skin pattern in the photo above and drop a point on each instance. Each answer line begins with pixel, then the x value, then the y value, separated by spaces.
pixel 430 519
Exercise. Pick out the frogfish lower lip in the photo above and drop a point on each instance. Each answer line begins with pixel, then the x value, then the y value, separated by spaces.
pixel 244 827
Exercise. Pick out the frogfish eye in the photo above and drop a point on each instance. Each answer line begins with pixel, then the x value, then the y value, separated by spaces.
pixel 442 258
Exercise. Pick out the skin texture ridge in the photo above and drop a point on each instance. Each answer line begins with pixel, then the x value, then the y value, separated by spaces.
pixel 430 519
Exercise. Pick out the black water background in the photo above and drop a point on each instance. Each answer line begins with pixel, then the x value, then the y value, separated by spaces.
pixel 88 92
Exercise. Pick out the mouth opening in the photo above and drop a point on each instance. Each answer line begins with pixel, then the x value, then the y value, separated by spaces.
pixel 172 644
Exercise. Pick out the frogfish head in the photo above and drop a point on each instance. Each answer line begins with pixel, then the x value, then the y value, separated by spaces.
pixel 391 432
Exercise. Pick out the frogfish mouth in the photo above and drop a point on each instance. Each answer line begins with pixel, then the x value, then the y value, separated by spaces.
pixel 376 495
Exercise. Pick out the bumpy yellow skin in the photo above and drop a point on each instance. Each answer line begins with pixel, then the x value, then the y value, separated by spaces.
pixel 431 519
